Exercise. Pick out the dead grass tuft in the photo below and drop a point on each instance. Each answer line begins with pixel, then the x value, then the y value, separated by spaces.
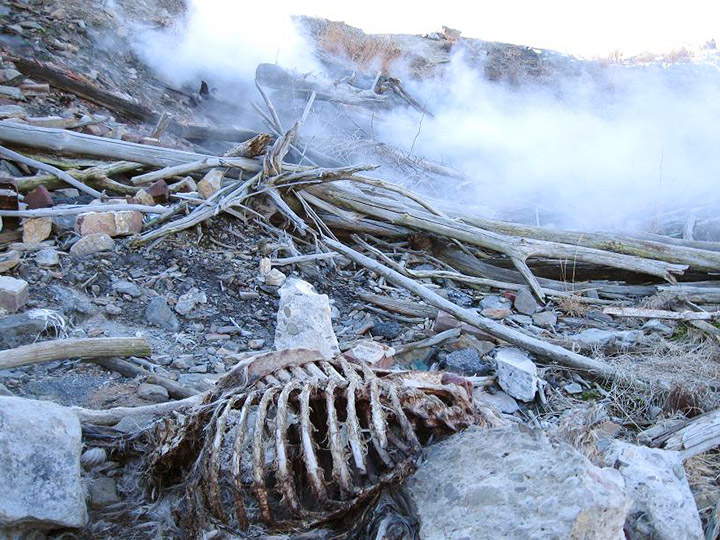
pixel 572 306
pixel 366 52
pixel 703 474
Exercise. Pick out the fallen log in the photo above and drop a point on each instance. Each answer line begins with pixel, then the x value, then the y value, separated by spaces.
pixel 74 210
pixel 69 142
pixel 95 176
pixel 130 370
pixel 64 349
pixel 62 175
pixel 692 437
pixel 552 352
pixel 642 313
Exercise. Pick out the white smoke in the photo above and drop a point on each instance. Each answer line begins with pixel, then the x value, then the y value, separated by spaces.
pixel 607 153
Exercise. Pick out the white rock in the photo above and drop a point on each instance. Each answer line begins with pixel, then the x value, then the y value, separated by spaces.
pixel 516 373
pixel 47 257
pixel 504 483
pixel 187 302
pixel 275 278
pixel 303 320
pixel 663 507
pixel 40 444
pixel 13 293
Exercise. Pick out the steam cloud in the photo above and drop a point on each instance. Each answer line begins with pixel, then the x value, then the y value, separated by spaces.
pixel 583 154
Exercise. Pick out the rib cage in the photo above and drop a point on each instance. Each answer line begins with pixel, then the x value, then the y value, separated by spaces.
pixel 292 440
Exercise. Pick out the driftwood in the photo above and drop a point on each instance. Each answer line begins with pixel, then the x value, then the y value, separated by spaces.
pixel 97 176
pixel 63 349
pixel 62 175
pixel 69 142
pixel 691 437
pixel 552 352
pixel 128 369
pixel 404 307
pixel 642 313
pixel 517 249
pixel 110 417
pixel 187 168
pixel 74 210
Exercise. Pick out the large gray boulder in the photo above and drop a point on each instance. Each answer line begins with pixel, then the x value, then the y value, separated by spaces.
pixel 663 507
pixel 304 320
pixel 40 444
pixel 511 483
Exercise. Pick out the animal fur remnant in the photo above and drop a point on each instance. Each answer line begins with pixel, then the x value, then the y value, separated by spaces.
pixel 289 440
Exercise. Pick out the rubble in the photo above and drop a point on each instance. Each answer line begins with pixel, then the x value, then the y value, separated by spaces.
pixel 517 373
pixel 13 293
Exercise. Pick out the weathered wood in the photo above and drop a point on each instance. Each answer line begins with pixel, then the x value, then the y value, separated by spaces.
pixel 130 370
pixel 404 307
pixel 187 168
pixel 95 176
pixel 546 350
pixel 63 349
pixel 62 175
pixel 74 210
pixel 642 313
pixel 110 417
pixel 69 142
pixel 692 437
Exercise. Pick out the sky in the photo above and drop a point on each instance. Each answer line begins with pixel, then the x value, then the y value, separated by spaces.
pixel 588 28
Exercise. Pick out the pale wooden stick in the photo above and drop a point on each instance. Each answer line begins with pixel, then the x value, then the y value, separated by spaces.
pixel 642 313
pixel 553 352
pixel 63 349
pixel 110 417
pixel 39 165
pixel 187 168
pixel 73 210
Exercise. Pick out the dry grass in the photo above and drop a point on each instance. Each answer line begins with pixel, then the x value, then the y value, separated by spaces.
pixel 366 52
pixel 703 474
pixel 572 306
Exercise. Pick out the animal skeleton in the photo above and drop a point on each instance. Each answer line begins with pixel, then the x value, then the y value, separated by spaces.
pixel 291 440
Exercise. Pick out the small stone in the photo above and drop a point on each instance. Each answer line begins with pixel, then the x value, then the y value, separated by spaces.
pixel 12 92
pixel 275 278
pixel 256 344
pixel 153 392
pixel 39 198
pixel 9 260
pixel 516 373
pixel 459 298
pixel 13 293
pixel 466 341
pixel 496 313
pixel 159 192
pixel 371 353
pixel 545 319
pixel 143 197
pixel 186 185
pixel 183 362
pixel 103 492
pixel 303 320
pixel 211 183
pixel 35 230
pixel 655 325
pixel 159 313
pixel 12 111
pixel 47 257
pixel 202 368
pixel 524 320
pixel 112 309
pixel 92 243
pixel 128 222
pixel 95 223
pixel 500 400
pixel 466 362
pixel 386 329
pixel 495 302
pixel 11 77
pixel 573 388
pixel 187 302
pixel 123 286
pixel 525 302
